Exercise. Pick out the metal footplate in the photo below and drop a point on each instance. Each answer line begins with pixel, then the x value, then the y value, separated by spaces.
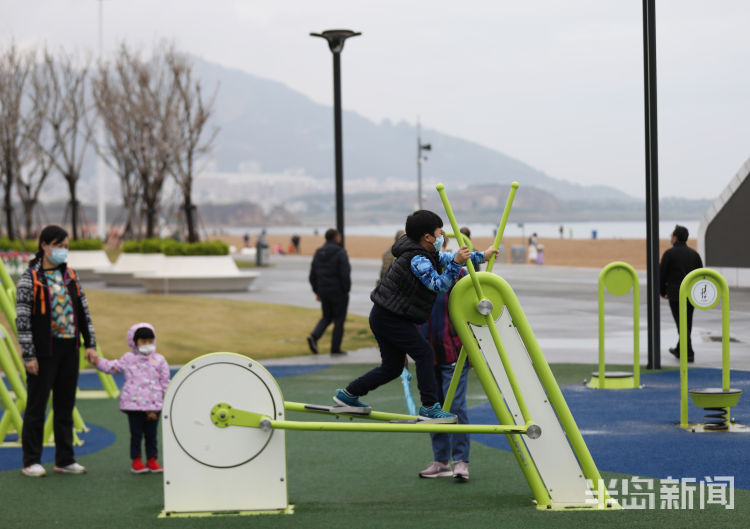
pixel 339 410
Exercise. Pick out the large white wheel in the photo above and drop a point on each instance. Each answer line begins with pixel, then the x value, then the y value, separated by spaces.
pixel 208 468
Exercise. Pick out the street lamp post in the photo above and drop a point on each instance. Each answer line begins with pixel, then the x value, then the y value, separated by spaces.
pixel 336 39
pixel 420 147
pixel 652 185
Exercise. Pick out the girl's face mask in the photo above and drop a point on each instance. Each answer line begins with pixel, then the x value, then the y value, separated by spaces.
pixel 146 349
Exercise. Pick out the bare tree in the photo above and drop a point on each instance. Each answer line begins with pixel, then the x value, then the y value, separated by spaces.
pixel 68 119
pixel 153 106
pixel 15 67
pixel 42 141
pixel 186 141
pixel 110 87
pixel 147 99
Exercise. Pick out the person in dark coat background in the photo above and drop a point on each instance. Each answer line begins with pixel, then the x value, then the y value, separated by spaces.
pixel 330 277
pixel 676 263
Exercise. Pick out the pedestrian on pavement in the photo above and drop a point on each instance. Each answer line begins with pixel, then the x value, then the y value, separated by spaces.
pixel 52 314
pixel 330 278
pixel 676 263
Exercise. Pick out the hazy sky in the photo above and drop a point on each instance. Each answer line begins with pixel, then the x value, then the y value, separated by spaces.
pixel 557 84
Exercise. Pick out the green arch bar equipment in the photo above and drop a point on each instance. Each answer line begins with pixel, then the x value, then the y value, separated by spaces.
pixel 618 279
pixel 704 288
pixel 214 446
pixel 520 385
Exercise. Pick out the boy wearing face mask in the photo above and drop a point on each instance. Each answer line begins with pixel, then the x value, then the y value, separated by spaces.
pixel 403 298
pixel 146 379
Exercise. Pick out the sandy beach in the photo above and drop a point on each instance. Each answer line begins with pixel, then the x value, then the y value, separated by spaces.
pixel 587 253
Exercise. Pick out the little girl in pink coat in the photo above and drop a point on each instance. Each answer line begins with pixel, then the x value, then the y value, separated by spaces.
pixel 146 379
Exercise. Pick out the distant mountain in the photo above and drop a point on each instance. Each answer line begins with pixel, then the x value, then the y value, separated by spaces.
pixel 270 128
pixel 483 203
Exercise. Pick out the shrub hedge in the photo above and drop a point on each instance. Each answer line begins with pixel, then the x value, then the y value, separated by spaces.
pixel 85 244
pixel 172 247
pixel 18 245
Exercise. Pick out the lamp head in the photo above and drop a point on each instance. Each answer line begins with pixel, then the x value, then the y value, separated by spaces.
pixel 336 38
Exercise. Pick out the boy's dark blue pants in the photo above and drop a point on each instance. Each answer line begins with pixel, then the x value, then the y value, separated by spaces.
pixel 396 338
pixel 140 427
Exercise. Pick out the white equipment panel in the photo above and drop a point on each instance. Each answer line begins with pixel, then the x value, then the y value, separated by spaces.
pixel 212 469
pixel 552 454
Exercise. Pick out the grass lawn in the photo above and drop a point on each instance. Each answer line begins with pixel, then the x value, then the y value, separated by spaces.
pixel 187 327
pixel 335 480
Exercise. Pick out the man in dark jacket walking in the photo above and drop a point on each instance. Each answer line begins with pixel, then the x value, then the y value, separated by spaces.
pixel 676 263
pixel 330 277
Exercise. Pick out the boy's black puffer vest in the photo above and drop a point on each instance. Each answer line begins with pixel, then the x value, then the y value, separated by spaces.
pixel 400 291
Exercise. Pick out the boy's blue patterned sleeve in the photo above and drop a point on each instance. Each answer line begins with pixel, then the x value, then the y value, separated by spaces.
pixel 426 273
pixel 447 257
pixel 477 258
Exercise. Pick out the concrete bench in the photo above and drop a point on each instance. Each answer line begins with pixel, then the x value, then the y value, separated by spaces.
pixel 213 273
pixel 87 262
pixel 122 273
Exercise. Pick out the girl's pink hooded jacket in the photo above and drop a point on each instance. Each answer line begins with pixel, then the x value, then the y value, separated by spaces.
pixel 146 375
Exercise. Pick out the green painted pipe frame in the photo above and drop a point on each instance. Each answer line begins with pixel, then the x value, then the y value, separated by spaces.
pixel 489 321
pixel 463 305
pixel 461 361
pixel 608 275
pixel 224 415
pixel 722 294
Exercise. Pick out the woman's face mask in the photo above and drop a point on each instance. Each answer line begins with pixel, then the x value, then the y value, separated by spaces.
pixel 58 255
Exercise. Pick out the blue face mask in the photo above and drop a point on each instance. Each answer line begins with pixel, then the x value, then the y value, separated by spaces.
pixel 438 244
pixel 58 256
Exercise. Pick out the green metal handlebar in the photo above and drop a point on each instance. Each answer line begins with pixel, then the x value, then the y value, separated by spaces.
pixel 503 222
pixel 224 415
pixel 484 305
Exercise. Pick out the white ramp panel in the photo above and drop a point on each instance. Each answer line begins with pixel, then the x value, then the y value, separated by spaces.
pixel 212 469
pixel 552 454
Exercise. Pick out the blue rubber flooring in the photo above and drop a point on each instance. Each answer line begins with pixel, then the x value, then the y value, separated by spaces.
pixel 98 438
pixel 635 431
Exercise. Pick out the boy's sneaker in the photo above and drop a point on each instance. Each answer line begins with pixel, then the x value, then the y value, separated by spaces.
pixel 34 471
pixel 437 470
pixel 437 415
pixel 461 471
pixel 153 465
pixel 73 468
pixel 138 467
pixel 344 399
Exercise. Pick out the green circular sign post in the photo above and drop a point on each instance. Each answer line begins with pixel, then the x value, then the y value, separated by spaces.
pixel 618 279
pixel 704 288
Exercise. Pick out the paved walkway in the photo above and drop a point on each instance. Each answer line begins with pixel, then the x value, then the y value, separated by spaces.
pixel 559 302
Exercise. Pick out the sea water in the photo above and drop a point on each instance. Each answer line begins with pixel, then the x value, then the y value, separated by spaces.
pixel 570 230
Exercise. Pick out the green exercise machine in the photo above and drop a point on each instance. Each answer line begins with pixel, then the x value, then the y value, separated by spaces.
pixel 224 417
pixel 704 288
pixel 618 279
